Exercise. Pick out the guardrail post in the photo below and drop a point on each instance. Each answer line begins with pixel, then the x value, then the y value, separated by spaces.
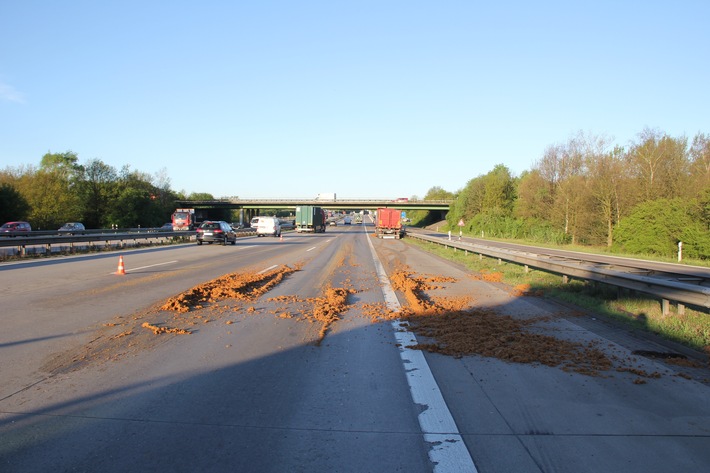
pixel 565 279
pixel 681 309
pixel 48 249
pixel 665 307
pixel 527 269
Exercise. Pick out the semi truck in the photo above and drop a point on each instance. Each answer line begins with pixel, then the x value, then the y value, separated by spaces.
pixel 310 218
pixel 388 223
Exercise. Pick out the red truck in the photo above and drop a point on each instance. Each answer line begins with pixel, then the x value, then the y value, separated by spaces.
pixel 388 223
pixel 184 219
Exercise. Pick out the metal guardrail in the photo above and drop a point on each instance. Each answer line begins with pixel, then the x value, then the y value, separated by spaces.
pixel 107 237
pixel 667 290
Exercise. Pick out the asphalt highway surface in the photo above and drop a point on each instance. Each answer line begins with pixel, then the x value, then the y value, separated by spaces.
pixel 97 373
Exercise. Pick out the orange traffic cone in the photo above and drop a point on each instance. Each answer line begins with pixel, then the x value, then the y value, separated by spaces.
pixel 121 268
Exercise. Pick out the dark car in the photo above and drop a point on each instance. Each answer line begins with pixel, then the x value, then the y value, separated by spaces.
pixel 72 228
pixel 10 228
pixel 216 231
pixel 167 227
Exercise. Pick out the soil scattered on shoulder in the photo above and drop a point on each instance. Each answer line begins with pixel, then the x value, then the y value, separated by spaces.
pixel 453 327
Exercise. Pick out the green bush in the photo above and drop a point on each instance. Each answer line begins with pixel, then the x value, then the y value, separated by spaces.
pixel 656 227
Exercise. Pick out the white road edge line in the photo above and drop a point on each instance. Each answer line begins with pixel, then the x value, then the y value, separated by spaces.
pixel 267 269
pixel 149 266
pixel 448 452
pixel 309 249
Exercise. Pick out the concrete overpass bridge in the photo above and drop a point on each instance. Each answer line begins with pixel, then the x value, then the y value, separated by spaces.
pixel 251 207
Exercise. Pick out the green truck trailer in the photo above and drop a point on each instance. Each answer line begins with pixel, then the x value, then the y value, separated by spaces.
pixel 310 218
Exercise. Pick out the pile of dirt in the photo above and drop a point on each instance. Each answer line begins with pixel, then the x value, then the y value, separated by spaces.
pixel 379 312
pixel 452 328
pixel 484 275
pixel 126 336
pixel 243 286
pixel 324 310
pixel 327 309
pixel 157 329
pixel 415 293
pixel 486 333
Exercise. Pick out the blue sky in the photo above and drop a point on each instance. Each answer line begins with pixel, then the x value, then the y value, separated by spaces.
pixel 368 99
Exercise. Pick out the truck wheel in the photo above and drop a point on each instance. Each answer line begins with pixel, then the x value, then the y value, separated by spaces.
pixel 199 242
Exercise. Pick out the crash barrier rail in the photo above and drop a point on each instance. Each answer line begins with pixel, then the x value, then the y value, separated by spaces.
pixel 109 238
pixel 680 292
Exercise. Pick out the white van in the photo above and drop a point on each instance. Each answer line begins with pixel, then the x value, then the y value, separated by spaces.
pixel 267 226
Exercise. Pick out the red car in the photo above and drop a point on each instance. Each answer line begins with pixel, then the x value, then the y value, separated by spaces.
pixel 15 227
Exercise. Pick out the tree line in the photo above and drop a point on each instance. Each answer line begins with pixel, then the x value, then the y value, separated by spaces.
pixel 645 198
pixel 62 190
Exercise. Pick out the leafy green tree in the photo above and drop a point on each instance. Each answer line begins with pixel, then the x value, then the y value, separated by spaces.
pixel 535 197
pixel 422 218
pixel 700 162
pixel 499 192
pixel 97 188
pixel 606 185
pixel 50 191
pixel 201 196
pixel 438 193
pixel 136 202
pixel 65 163
pixel 493 194
pixel 12 205
pixel 660 165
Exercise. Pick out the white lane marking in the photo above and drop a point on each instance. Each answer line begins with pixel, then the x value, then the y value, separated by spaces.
pixel 267 269
pixel 309 249
pixel 447 452
pixel 149 266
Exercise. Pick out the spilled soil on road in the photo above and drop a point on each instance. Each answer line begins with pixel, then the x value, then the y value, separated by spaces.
pixel 205 303
pixel 179 315
pixel 445 324
pixel 453 326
